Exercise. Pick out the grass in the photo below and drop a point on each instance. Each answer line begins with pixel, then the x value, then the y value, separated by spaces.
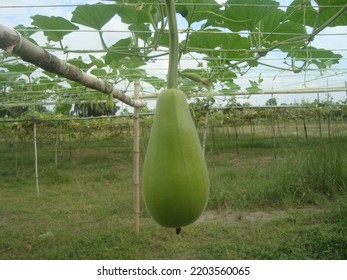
pixel 308 175
pixel 289 206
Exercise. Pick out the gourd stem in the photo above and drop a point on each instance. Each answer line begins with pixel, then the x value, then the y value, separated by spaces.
pixel 173 44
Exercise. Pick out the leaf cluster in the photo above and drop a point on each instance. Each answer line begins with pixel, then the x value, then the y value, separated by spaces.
pixel 226 41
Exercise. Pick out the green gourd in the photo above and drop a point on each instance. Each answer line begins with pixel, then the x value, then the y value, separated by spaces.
pixel 195 77
pixel 175 180
pixel 110 102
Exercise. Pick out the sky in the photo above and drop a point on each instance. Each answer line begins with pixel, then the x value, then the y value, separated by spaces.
pixel 14 12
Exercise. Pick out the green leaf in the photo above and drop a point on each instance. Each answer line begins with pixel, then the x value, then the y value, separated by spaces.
pixel 78 62
pixel 276 29
pixel 21 68
pixel 133 74
pixel 7 76
pixel 232 86
pixel 42 84
pixel 218 71
pixel 101 73
pixel 302 14
pixel 162 38
pixel 312 17
pixel 97 61
pixel 141 30
pixel 123 48
pixel 224 77
pixel 213 39
pixel 237 45
pixel 26 31
pixel 208 39
pixel 245 14
pixel 134 14
pixel 94 16
pixel 63 109
pixel 327 11
pixel 54 28
pixel 322 58
pixel 229 87
pixel 156 82
pixel 204 9
pixel 254 87
pixel 125 64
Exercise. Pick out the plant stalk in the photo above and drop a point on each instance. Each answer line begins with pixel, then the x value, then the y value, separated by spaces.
pixel 36 165
pixel 173 44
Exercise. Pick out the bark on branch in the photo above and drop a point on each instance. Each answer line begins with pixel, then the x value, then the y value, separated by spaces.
pixel 12 42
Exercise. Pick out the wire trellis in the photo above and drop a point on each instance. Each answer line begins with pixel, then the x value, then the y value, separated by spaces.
pixel 311 74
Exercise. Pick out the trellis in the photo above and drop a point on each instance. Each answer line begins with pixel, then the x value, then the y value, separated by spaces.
pixel 339 6
pixel 202 122
pixel 136 153
pixel 12 42
pixel 136 137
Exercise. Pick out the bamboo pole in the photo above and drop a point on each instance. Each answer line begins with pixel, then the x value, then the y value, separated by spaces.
pixel 320 123
pixel 36 165
pixel 305 127
pixel 273 126
pixel 56 146
pixel 237 138
pixel 136 171
pixel 205 131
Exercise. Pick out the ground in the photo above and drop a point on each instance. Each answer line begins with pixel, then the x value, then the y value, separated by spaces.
pixel 263 203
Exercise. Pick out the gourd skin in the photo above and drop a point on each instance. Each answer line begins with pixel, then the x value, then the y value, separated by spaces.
pixel 109 102
pixel 175 181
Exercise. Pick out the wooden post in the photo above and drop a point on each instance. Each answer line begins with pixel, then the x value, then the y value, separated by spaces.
pixel 136 170
pixel 36 166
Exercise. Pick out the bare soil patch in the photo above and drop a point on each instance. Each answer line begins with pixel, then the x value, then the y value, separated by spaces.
pixel 234 217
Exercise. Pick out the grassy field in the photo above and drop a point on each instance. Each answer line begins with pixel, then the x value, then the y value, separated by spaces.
pixel 286 201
